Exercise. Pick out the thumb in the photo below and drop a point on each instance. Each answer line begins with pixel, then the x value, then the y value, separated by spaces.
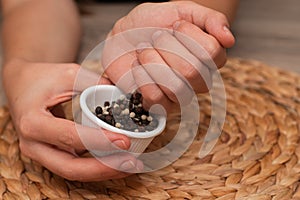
pixel 213 22
pixel 86 78
pixel 219 28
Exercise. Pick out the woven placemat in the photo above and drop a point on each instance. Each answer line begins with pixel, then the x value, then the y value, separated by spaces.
pixel 256 157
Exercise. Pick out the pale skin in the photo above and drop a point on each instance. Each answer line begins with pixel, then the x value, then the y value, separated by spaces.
pixel 38 75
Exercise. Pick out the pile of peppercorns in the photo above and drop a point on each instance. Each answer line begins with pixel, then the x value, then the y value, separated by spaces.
pixel 127 113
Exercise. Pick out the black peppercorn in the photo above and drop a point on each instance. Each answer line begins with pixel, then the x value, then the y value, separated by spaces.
pixel 106 103
pixel 127 113
pixel 98 110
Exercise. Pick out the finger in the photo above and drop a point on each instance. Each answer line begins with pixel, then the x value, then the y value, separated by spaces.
pixel 170 82
pixel 68 135
pixel 181 60
pixel 204 46
pixel 152 92
pixel 215 23
pixel 82 169
pixel 85 78
pixel 76 78
pixel 117 58
pixel 120 73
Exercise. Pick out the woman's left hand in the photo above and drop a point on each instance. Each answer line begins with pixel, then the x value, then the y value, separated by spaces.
pixel 187 42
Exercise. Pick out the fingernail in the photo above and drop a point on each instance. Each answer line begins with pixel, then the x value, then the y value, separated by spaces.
pixel 127 165
pixel 141 46
pixel 156 35
pixel 176 25
pixel 226 29
pixel 121 144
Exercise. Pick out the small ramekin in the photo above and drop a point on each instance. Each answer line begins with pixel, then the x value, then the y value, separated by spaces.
pixel 96 95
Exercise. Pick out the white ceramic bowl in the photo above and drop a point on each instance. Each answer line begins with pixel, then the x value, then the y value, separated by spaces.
pixel 97 95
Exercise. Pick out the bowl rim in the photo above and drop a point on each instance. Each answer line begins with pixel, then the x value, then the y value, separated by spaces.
pixel 88 113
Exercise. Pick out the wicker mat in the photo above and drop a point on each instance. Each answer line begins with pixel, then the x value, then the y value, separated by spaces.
pixel 256 157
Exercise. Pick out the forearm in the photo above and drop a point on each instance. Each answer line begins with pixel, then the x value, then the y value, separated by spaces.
pixel 40 31
pixel 227 7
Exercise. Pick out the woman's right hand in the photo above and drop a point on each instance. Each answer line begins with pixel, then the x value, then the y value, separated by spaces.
pixel 35 92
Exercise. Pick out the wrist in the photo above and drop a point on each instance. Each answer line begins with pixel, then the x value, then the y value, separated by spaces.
pixel 9 64
pixel 12 68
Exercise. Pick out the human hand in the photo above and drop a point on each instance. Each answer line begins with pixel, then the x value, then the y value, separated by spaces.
pixel 190 30
pixel 35 92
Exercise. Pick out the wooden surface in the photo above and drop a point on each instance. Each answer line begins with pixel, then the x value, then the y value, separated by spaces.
pixel 267 30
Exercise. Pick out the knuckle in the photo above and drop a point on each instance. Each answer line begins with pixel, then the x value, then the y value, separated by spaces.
pixel 24 149
pixel 184 27
pixel 156 96
pixel 147 55
pixel 180 88
pixel 66 138
pixel 213 48
pixel 191 73
pixel 181 91
pixel 26 126
pixel 191 68
pixel 161 39
pixel 200 78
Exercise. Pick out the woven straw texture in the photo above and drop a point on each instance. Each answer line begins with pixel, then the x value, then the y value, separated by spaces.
pixel 256 157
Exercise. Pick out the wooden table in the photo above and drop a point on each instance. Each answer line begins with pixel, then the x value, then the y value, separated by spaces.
pixel 265 30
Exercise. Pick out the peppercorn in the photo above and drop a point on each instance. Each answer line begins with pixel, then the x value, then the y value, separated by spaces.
pixel 98 110
pixel 127 113
pixel 106 103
